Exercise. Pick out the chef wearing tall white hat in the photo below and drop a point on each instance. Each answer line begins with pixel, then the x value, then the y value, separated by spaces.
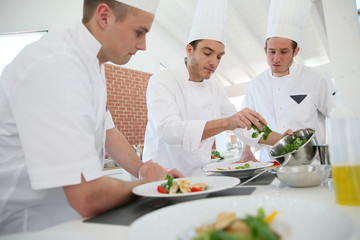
pixel 186 108
pixel 288 94
pixel 54 121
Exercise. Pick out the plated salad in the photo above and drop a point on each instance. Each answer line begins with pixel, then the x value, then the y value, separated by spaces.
pixel 183 186
pixel 229 227
pixel 216 155
pixel 245 166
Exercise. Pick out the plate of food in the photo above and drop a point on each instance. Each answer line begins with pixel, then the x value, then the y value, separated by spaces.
pixel 183 189
pixel 215 156
pixel 283 218
pixel 239 170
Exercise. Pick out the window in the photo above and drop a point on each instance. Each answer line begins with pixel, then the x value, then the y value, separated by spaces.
pixel 358 9
pixel 12 43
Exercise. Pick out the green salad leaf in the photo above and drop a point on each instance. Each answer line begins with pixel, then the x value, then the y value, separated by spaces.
pixel 266 131
pixel 169 183
pixel 294 146
pixel 216 154
pixel 245 166
pixel 259 229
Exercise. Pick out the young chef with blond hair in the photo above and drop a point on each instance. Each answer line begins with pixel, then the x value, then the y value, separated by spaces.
pixel 55 127
pixel 288 94
pixel 186 108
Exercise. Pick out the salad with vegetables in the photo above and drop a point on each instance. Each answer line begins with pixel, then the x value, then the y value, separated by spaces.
pixel 229 227
pixel 294 146
pixel 183 186
pixel 215 154
pixel 245 166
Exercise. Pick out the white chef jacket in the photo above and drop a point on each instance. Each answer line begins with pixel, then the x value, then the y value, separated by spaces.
pixel 178 110
pixel 52 128
pixel 301 99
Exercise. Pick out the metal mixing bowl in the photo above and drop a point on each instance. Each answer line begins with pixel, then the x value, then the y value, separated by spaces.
pixel 304 155
pixel 303 176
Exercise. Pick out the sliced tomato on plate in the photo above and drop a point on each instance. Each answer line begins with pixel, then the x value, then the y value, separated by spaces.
pixel 196 189
pixel 275 163
pixel 161 189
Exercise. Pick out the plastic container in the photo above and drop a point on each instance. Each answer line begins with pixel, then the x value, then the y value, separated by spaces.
pixel 344 146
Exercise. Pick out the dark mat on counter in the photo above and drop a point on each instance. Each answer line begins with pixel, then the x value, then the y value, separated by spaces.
pixel 264 179
pixel 128 213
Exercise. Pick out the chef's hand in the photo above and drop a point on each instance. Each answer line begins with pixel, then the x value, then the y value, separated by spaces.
pixel 151 171
pixel 246 155
pixel 244 119
pixel 175 173
pixel 288 132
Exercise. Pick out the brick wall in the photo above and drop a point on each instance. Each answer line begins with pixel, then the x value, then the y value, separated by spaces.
pixel 126 89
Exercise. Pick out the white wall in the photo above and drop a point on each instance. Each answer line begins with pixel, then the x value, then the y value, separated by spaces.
pixel 158 42
pixel 33 15
pixel 29 15
pixel 343 32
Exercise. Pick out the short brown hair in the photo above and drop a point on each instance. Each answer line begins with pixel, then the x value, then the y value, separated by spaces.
pixel 294 44
pixel 195 43
pixel 120 9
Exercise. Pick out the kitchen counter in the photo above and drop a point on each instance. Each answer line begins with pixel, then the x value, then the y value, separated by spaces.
pixel 84 230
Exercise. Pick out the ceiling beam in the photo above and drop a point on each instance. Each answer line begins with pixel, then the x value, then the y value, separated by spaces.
pixel 243 24
pixel 170 28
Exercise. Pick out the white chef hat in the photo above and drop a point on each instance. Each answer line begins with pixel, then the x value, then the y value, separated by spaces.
pixel 209 21
pixel 146 5
pixel 287 17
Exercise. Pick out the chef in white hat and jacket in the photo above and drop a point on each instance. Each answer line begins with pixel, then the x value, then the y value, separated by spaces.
pixel 55 127
pixel 186 108
pixel 288 94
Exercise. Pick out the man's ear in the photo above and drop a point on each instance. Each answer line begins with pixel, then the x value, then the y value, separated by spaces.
pixel 103 12
pixel 189 50
pixel 296 51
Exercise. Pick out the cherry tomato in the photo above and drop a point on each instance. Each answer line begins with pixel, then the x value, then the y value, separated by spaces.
pixel 196 189
pixel 161 189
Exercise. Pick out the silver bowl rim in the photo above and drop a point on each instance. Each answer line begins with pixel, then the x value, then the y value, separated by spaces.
pixel 288 169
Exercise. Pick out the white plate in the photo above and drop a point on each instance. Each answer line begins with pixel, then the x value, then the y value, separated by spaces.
pixel 297 219
pixel 240 173
pixel 216 183
pixel 216 159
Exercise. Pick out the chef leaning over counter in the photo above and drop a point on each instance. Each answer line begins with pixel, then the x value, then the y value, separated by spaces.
pixel 186 108
pixel 288 94
pixel 55 127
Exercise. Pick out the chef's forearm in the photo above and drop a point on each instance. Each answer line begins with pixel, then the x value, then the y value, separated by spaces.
pixel 214 127
pixel 99 195
pixel 272 139
pixel 119 149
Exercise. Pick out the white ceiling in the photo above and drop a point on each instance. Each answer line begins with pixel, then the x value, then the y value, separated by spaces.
pixel 246 34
